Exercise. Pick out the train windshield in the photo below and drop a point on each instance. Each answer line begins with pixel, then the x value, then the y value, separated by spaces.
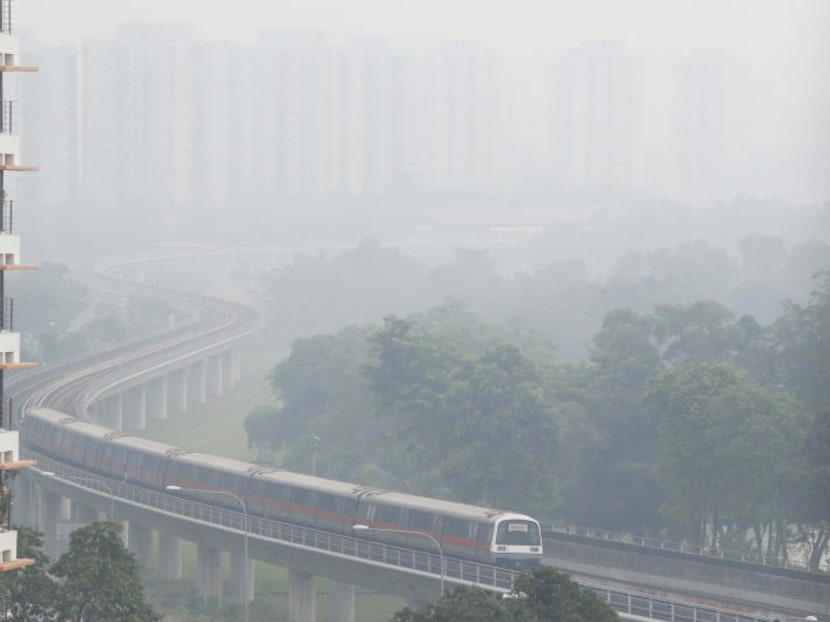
pixel 518 532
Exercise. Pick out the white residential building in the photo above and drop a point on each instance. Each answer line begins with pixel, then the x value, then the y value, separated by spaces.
pixel 594 111
pixel 462 115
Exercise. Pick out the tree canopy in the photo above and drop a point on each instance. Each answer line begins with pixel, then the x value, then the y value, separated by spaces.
pixel 543 595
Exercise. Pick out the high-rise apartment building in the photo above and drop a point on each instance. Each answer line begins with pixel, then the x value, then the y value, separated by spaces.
pixel 137 122
pixel 48 117
pixel 710 139
pixel 10 164
pixel 294 93
pixel 376 130
pixel 594 112
pixel 462 118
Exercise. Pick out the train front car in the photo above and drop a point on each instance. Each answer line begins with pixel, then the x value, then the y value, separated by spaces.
pixel 516 541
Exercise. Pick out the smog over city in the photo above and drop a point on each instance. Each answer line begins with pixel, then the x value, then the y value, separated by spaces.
pixel 382 266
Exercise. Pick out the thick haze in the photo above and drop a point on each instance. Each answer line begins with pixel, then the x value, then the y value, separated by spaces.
pixel 784 42
pixel 427 112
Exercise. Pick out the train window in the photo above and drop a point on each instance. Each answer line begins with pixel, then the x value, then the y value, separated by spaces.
pixel 90 451
pixel 419 520
pixel 521 532
pixel 229 481
pixel 328 503
pixel 207 477
pixel 118 456
pixel 276 492
pixel 152 463
pixel 457 527
pixel 187 473
pixel 302 497
pixel 387 515
pixel 483 532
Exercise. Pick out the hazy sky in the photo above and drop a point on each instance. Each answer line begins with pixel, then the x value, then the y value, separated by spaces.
pixel 785 42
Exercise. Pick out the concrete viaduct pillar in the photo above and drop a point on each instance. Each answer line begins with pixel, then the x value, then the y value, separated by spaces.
pixel 140 543
pixel 238 591
pixel 196 382
pixel 23 502
pixel 178 391
pixel 230 367
pixel 135 407
pixel 157 398
pixel 111 412
pixel 214 375
pixel 302 597
pixel 170 557
pixel 51 513
pixel 208 571
pixel 342 601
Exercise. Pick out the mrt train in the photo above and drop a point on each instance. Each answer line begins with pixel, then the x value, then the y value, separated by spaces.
pixel 482 534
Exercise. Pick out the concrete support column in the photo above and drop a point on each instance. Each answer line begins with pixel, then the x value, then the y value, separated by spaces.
pixel 177 385
pixel 135 407
pixel 238 591
pixel 114 412
pixel 209 571
pixel 213 373
pixel 140 543
pixel 228 369
pixel 196 382
pixel 237 367
pixel 83 514
pixel 51 506
pixel 342 601
pixel 302 597
pixel 22 500
pixel 170 557
pixel 157 399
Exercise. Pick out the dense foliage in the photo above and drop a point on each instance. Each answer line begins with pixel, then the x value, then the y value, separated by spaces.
pixel 97 579
pixel 544 595
pixel 683 419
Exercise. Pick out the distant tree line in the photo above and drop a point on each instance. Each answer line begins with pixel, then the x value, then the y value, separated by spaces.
pixel 684 421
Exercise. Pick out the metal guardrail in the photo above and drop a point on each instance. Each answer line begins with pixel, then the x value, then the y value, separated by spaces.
pixel 680 547
pixel 455 570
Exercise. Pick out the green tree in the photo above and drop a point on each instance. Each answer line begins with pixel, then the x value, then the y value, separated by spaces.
pixel 549 595
pixel 263 430
pixel 615 487
pixel 700 332
pixel 463 604
pixel 100 579
pixel 544 595
pixel 726 451
pixel 30 589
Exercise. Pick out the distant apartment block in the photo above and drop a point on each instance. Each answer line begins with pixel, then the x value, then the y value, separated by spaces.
pixel 710 127
pixel 594 116
pixel 462 117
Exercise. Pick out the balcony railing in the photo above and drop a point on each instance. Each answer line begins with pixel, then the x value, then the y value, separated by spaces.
pixel 7 217
pixel 6 16
pixel 6 314
pixel 6 118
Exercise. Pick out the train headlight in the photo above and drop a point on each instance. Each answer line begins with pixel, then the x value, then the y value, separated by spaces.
pixel 534 549
pixel 501 548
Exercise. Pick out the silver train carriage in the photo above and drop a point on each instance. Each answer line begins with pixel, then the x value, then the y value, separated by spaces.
pixel 483 534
